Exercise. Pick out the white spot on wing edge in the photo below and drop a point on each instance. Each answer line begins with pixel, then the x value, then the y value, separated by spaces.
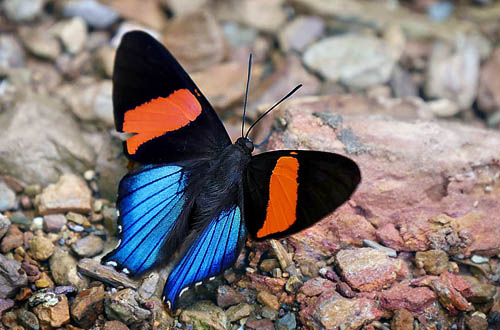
pixel 183 291
pixel 112 263
pixel 126 271
pixel 120 228
pixel 198 283
pixel 211 278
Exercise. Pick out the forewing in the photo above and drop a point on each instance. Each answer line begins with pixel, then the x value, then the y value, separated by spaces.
pixel 154 99
pixel 153 203
pixel 213 250
pixel 288 191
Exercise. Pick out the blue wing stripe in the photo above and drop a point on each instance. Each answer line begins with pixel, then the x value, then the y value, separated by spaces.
pixel 214 250
pixel 150 202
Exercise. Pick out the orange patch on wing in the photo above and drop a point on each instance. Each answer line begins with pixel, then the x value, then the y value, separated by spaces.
pixel 282 204
pixel 159 116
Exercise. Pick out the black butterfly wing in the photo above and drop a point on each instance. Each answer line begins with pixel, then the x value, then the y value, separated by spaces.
pixel 288 191
pixel 156 100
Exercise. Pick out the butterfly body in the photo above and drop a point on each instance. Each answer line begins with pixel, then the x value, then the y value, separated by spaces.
pixel 198 196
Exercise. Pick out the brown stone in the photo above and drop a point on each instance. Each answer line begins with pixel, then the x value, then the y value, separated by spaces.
pixel 41 248
pixel 53 316
pixel 227 296
pixel 367 269
pixel 488 99
pixel 70 193
pixel 87 306
pixel 262 324
pixel 13 238
pixel 147 12
pixel 12 277
pixel 317 286
pixel 402 320
pixel 433 261
pixel 268 300
pixel 202 42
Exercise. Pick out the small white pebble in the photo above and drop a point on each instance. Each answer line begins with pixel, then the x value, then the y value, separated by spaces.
pixel 477 259
pixel 38 223
pixel 89 175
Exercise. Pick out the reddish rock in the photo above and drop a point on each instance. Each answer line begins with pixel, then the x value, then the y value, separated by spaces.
pixel 403 296
pixel 115 325
pixel 147 12
pixel 13 238
pixel 351 229
pixel 87 306
pixel 265 283
pixel 405 182
pixel 300 32
pixel 367 269
pixel 345 290
pixel 263 324
pixel 389 236
pixel 331 311
pixel 53 223
pixel 227 296
pixel 316 286
pixel 70 193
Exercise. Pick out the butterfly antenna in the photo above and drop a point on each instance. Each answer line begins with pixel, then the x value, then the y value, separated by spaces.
pixel 272 108
pixel 246 94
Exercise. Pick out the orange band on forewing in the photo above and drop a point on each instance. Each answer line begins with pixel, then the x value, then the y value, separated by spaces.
pixel 280 212
pixel 159 116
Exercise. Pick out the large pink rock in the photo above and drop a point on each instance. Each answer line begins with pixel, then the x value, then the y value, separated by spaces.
pixel 435 181
pixel 403 296
pixel 368 269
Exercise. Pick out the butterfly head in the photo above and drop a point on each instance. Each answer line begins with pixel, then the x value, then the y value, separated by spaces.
pixel 246 144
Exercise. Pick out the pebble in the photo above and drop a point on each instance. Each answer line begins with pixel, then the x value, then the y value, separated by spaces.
pixel 11 52
pixel 37 223
pixel 41 248
pixel 40 43
pixel 123 306
pixel 87 306
pixel 27 319
pixel 64 271
pixel 95 14
pixel 237 312
pixel 53 223
pixel 339 59
pixel 4 225
pixel 433 261
pixel 268 299
pixel 267 265
pixel 286 322
pixel 149 285
pixel 76 218
pixel 22 10
pixel 256 324
pixel 110 219
pixel 105 59
pixel 204 314
pixel 443 108
pixel 14 238
pixel 53 316
pixel 227 296
pixel 12 277
pixel 21 221
pixel 477 259
pixel 42 283
pixel 70 193
pixel 115 325
pixel 293 284
pixel 7 198
pixel 88 246
pixel 390 252
pixel 72 33
pixel 300 33
pixel 5 305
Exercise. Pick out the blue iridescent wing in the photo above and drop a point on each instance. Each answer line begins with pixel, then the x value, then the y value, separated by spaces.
pixel 212 251
pixel 152 206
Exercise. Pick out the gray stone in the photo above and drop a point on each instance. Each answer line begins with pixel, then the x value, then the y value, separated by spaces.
pixel 22 10
pixel 40 43
pixel 95 14
pixel 4 225
pixel 301 32
pixel 53 223
pixel 287 322
pixel 11 52
pixel 7 198
pixel 64 271
pixel 111 165
pixel 72 33
pixel 88 246
pixel 453 72
pixel 123 306
pixel 37 154
pixel 12 277
pixel 27 319
pixel 355 60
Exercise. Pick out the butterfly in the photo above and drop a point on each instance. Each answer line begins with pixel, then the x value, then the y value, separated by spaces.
pixel 197 193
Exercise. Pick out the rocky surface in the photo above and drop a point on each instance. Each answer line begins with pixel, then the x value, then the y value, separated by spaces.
pixel 407 89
